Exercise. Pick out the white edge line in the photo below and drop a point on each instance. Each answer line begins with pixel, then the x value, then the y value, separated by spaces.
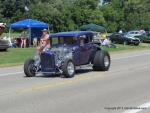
pixel 130 56
pixel 7 74
pixel 146 106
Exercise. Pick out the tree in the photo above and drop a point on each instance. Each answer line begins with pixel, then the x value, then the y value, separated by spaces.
pixel 66 15
pixel 126 14
pixel 113 15
pixel 137 14
pixel 86 11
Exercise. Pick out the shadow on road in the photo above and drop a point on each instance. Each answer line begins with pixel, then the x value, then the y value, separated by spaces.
pixel 78 73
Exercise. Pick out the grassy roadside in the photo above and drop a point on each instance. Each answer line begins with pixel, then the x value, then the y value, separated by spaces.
pixel 127 48
pixel 17 56
pixel 16 34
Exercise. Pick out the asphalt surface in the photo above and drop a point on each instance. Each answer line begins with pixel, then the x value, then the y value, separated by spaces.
pixel 123 89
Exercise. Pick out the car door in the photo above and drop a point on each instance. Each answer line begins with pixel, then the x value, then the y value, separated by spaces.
pixel 82 53
pixel 86 51
pixel 121 39
pixel 114 38
pixel 85 54
pixel 118 39
pixel 76 55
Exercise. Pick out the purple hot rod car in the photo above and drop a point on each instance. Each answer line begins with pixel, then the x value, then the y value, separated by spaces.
pixel 70 51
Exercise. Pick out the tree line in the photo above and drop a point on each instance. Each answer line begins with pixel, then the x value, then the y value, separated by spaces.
pixel 67 15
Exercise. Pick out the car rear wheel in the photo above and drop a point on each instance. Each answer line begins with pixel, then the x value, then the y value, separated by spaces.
pixel 101 61
pixel 68 69
pixel 29 69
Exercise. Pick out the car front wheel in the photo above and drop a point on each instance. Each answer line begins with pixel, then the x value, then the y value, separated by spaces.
pixel 29 69
pixel 68 69
pixel 101 61
pixel 137 43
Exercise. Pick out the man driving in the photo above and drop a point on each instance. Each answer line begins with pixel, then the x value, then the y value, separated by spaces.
pixel 82 40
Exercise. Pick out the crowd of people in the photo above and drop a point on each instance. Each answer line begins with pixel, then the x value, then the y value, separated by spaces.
pixel 44 42
pixel 102 39
pixel 23 39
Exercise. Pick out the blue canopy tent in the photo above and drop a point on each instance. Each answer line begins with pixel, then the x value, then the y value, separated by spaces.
pixel 33 26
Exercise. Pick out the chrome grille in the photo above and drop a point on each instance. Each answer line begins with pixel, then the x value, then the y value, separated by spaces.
pixel 47 62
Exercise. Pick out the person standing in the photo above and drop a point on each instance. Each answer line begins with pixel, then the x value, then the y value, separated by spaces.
pixel 44 44
pixel 45 41
pixel 142 31
pixel 23 37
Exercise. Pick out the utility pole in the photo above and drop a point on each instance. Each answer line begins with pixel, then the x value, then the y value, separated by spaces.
pixel 26 9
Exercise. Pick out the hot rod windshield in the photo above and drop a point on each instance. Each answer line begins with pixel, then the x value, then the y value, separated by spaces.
pixel 63 40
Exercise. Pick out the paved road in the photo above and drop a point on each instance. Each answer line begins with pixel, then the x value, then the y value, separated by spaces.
pixel 124 87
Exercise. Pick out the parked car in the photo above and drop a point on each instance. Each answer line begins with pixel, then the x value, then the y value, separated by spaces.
pixel 67 54
pixel 132 34
pixel 4 44
pixel 122 39
pixel 144 38
pixel 148 32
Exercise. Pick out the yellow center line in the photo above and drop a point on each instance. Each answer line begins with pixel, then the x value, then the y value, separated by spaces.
pixel 58 84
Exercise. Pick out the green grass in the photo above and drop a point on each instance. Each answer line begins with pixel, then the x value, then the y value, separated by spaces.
pixel 17 56
pixel 127 48
pixel 15 34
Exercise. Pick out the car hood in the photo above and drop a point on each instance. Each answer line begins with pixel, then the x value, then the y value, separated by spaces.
pixel 132 37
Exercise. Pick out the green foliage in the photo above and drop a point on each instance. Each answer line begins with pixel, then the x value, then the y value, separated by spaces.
pixel 66 15
pixel 137 14
pixel 16 56
pixel 12 9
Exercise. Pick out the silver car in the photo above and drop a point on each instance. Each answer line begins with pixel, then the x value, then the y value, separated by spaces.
pixel 4 44
pixel 132 34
